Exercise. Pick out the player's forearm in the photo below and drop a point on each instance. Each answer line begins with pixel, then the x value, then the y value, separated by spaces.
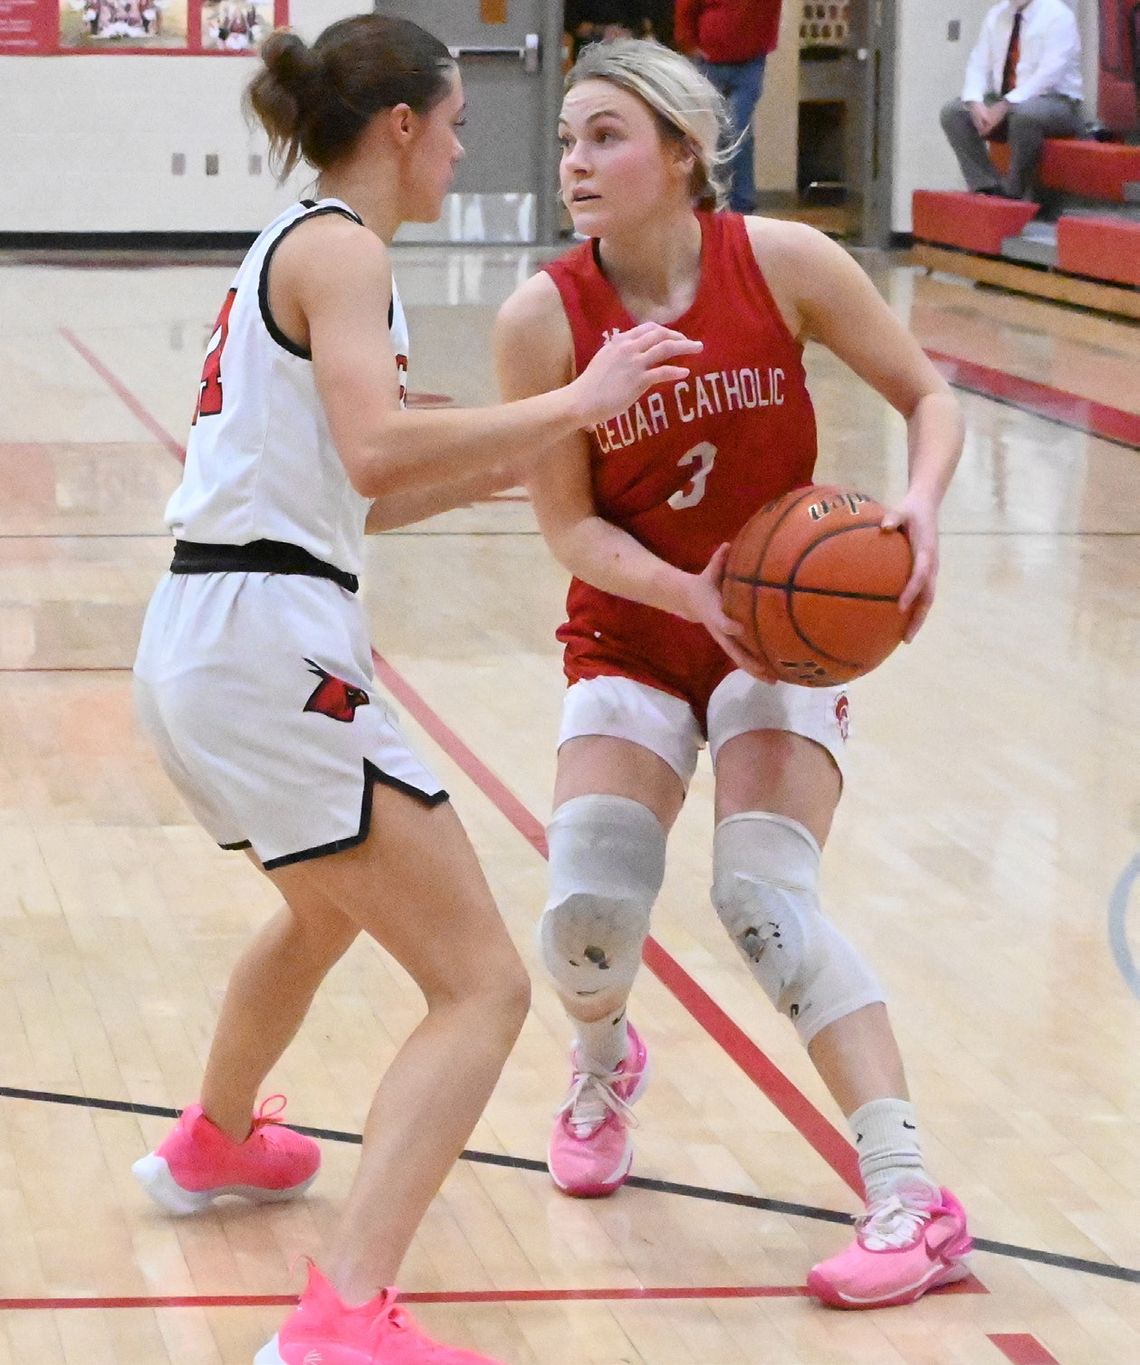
pixel 609 558
pixel 412 449
pixel 429 500
pixel 935 432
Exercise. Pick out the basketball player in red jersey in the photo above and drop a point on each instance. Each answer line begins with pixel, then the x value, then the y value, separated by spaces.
pixel 640 511
pixel 254 672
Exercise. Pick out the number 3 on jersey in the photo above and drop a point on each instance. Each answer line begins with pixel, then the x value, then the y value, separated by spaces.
pixel 210 390
pixel 694 490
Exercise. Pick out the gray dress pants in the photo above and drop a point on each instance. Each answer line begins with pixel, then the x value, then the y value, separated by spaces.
pixel 1028 124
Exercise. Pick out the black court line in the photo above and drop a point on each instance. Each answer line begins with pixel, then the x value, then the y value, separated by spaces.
pixel 1103 1269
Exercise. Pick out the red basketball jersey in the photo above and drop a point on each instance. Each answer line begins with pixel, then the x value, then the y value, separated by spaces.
pixel 686 466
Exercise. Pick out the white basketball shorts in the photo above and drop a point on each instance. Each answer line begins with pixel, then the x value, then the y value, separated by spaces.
pixel 258 692
pixel 665 724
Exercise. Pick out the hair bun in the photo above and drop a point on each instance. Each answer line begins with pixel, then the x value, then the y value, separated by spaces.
pixel 291 63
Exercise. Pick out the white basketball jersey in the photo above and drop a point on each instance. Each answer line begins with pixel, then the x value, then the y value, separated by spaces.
pixel 260 462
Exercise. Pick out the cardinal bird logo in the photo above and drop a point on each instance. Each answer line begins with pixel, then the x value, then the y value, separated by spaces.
pixel 841 715
pixel 333 696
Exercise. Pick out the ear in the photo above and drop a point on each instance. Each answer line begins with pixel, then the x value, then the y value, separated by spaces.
pixel 402 123
pixel 684 158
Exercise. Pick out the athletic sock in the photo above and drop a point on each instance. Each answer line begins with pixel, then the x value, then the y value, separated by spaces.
pixel 602 1045
pixel 886 1140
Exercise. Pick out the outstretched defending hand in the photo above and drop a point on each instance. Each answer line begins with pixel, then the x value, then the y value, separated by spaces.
pixel 627 365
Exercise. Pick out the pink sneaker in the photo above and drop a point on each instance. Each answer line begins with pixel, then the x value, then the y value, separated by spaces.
pixel 197 1162
pixel 322 1331
pixel 590 1149
pixel 912 1241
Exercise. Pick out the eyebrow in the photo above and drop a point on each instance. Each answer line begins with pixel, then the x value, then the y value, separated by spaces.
pixel 601 113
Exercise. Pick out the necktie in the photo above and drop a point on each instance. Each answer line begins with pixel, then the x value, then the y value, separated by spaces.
pixel 1009 70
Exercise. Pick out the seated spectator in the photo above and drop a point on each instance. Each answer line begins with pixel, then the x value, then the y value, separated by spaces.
pixel 1023 83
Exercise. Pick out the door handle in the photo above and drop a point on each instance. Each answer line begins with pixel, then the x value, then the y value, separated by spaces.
pixel 529 53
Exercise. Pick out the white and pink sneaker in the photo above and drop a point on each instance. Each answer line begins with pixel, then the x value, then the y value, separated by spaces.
pixel 591 1152
pixel 196 1162
pixel 912 1241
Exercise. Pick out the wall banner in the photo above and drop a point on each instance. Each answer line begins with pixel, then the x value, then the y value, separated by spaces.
pixel 187 28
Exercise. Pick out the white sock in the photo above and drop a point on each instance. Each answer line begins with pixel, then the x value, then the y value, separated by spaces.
pixel 886 1140
pixel 602 1045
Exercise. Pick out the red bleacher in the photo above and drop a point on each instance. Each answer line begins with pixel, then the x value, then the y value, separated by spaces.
pixel 1103 248
pixel 974 222
pixel 1094 170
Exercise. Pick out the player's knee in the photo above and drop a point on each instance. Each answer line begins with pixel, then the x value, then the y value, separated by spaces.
pixel 607 863
pixel 765 875
pixel 503 989
pixel 951 114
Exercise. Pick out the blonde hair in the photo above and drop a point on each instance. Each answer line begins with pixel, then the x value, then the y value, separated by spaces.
pixel 688 107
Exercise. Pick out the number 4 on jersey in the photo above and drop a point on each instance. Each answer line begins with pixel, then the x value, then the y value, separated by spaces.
pixel 210 390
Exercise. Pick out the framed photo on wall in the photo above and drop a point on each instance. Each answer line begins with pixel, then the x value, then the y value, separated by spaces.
pixel 187 28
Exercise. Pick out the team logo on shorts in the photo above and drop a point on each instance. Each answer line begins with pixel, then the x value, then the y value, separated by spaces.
pixel 841 715
pixel 333 696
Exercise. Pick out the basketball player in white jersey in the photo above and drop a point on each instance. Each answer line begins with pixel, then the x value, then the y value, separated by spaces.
pixel 254 672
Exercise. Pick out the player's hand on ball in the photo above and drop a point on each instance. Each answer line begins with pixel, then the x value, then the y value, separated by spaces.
pixel 918 518
pixel 707 606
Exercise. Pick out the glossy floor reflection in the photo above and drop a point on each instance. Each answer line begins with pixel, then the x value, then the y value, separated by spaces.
pixel 993 802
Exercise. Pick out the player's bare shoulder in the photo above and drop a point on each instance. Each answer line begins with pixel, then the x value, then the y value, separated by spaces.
pixel 332 252
pixel 533 343
pixel 800 264
pixel 781 244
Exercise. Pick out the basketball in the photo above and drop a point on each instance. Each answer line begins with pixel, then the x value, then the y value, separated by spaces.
pixel 815 581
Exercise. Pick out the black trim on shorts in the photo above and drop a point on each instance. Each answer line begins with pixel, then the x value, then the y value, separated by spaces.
pixel 372 775
pixel 258 556
pixel 236 848
pixel 301 352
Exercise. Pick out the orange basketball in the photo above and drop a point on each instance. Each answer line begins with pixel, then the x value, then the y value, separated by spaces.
pixel 815 582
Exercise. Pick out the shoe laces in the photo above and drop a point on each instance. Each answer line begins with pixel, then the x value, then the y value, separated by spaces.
pixel 270 1113
pixel 896 1220
pixel 592 1099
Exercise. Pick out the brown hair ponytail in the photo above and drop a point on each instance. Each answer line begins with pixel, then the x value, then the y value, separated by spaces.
pixel 314 102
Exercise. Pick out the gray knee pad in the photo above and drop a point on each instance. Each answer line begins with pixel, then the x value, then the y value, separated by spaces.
pixel 607 863
pixel 765 870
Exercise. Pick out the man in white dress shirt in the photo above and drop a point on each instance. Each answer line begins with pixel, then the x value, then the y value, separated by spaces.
pixel 1023 82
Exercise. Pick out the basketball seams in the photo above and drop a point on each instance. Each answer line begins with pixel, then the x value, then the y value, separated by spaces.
pixel 753 615
pixel 792 589
pixel 781 613
pixel 815 592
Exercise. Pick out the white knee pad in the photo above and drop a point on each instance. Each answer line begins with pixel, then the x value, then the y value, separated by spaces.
pixel 607 863
pixel 765 871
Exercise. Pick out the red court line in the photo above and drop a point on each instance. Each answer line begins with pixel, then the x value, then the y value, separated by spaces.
pixel 1022 1348
pixel 762 1291
pixel 129 401
pixel 1085 414
pixel 791 1102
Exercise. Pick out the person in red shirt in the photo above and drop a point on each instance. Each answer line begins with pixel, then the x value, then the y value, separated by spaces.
pixel 730 41
pixel 640 509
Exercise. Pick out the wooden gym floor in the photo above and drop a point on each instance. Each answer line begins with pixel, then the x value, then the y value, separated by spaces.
pixel 993 805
